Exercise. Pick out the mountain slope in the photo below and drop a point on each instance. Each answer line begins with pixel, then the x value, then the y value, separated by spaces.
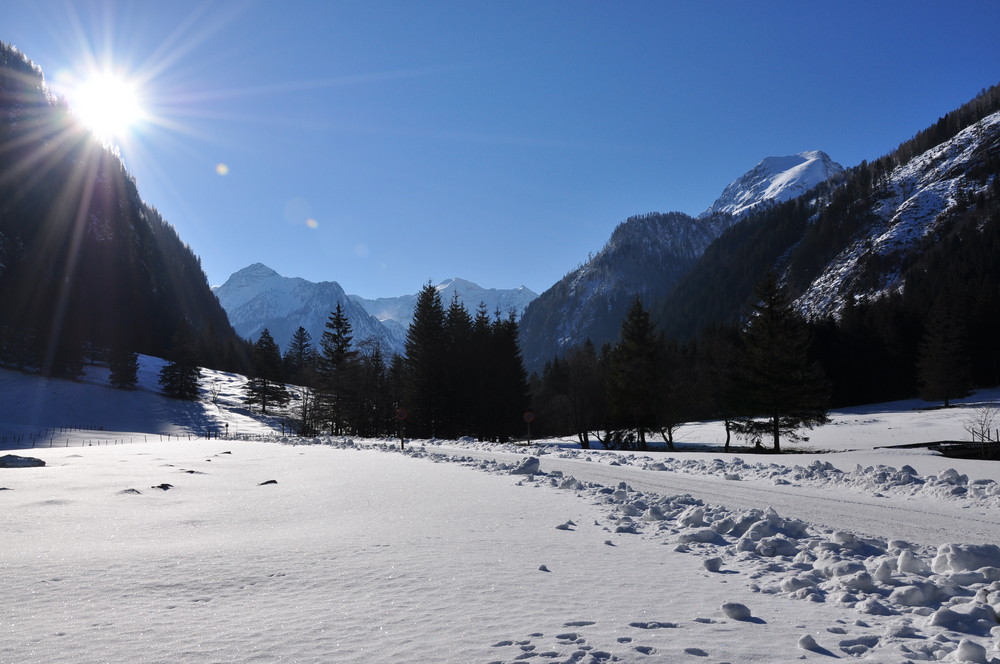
pixel 908 208
pixel 648 255
pixel 645 256
pixel 863 239
pixel 257 297
pixel 82 258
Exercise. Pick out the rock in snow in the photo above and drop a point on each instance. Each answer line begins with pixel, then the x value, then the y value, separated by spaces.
pixel 807 642
pixel 736 611
pixel 14 461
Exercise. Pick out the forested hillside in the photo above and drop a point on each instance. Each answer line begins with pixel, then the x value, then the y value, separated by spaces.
pixel 84 262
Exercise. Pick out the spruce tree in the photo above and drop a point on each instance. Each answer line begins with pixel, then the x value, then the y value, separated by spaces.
pixel 337 371
pixel 426 365
pixel 300 358
pixel 460 395
pixel 124 366
pixel 943 365
pixel 587 396
pixel 179 377
pixel 778 389
pixel 634 377
pixel 373 413
pixel 266 386
pixel 509 378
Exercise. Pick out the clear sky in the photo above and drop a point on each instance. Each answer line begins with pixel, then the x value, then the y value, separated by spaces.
pixel 385 144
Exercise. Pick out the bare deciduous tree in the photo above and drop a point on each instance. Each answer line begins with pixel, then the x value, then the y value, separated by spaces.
pixel 981 423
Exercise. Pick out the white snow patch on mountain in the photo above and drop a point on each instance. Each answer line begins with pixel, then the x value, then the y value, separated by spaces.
pixel 914 200
pixel 775 179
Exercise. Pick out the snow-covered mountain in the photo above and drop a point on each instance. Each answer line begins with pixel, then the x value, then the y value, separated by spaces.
pixel 918 222
pixel 257 297
pixel 775 179
pixel 647 256
pixel 399 310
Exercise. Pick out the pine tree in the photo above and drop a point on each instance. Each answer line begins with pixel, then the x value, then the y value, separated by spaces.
pixel 300 358
pixel 509 380
pixel 587 396
pixel 373 414
pixel 460 395
pixel 179 377
pixel 426 365
pixel 779 390
pixel 337 371
pixel 943 364
pixel 634 377
pixel 266 386
pixel 124 368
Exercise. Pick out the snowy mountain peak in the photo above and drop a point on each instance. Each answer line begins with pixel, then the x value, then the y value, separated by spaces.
pixel 257 297
pixel 775 179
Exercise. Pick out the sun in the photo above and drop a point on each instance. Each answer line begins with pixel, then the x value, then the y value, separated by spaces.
pixel 107 104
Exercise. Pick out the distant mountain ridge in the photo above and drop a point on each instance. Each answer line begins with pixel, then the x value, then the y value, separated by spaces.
pixel 400 309
pixel 257 297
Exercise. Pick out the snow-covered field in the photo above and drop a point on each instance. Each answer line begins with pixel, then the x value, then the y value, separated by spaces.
pixel 462 552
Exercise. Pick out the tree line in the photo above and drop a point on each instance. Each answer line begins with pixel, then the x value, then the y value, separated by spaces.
pixel 462 375
pixel 760 380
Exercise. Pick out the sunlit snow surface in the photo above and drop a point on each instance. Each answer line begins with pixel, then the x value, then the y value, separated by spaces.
pixel 443 554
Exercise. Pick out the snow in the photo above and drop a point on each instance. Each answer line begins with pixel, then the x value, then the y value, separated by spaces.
pixel 774 179
pixel 129 547
pixel 913 202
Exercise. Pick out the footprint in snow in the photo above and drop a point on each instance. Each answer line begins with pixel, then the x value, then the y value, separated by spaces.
pixel 579 623
pixel 653 625
pixel 697 652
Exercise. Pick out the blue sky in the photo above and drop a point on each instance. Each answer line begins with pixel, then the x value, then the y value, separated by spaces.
pixel 385 144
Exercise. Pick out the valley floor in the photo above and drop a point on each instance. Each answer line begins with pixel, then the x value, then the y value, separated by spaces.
pixel 185 551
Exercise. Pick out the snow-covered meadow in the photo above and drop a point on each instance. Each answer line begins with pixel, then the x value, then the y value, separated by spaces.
pixel 136 543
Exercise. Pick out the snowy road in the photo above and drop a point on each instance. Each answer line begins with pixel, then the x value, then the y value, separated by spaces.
pixel 923 521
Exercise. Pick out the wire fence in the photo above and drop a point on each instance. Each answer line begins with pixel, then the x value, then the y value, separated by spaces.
pixel 91 436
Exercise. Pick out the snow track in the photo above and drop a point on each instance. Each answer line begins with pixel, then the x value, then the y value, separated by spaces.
pixel 927 521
